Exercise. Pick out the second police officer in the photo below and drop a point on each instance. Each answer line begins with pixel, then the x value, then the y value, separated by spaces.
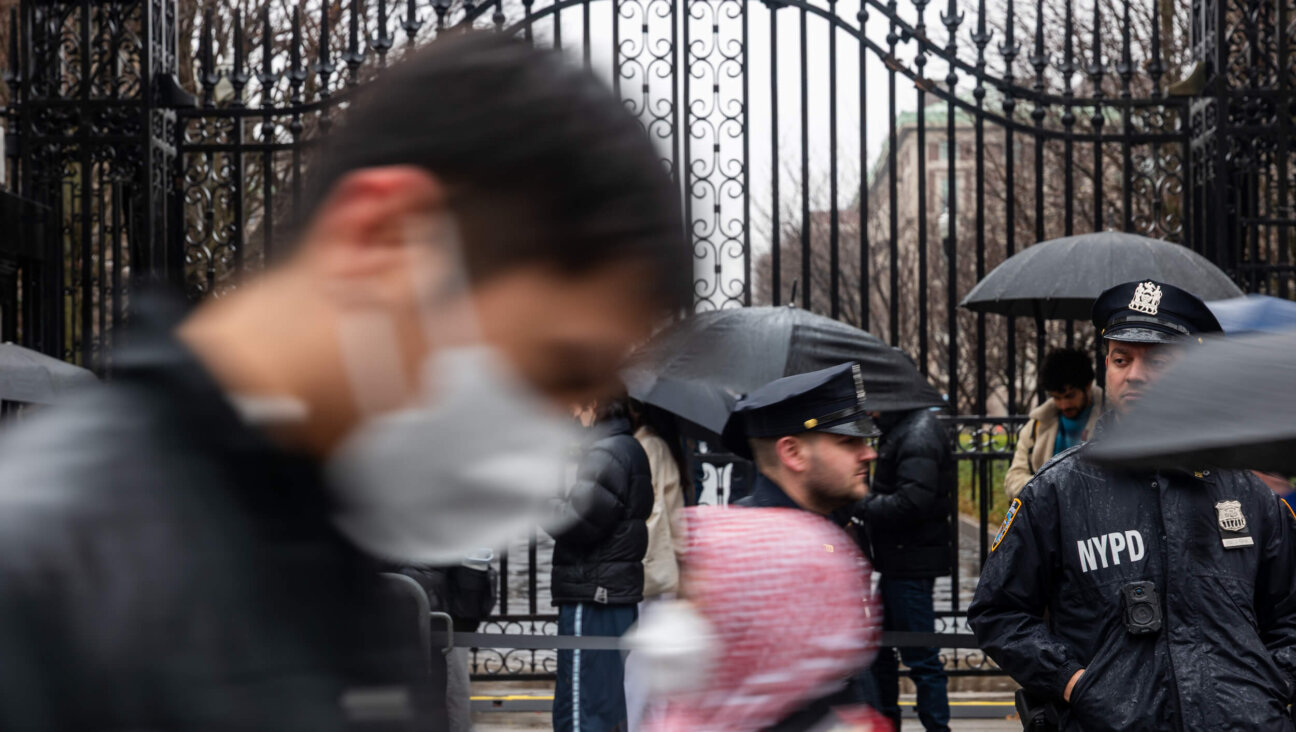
pixel 1145 600
pixel 810 438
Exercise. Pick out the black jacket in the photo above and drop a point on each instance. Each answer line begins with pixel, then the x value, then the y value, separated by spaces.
pixel 599 554
pixel 466 594
pixel 164 567
pixel 765 493
pixel 907 511
pixel 1050 597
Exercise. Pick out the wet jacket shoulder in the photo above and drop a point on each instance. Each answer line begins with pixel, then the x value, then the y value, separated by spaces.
pixel 907 511
pixel 161 569
pixel 1050 598
pixel 599 555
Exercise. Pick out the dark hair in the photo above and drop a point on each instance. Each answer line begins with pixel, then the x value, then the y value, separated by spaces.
pixel 614 408
pixel 666 426
pixel 1066 367
pixel 542 162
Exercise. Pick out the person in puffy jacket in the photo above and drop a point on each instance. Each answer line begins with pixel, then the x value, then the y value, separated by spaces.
pixel 907 519
pixel 598 571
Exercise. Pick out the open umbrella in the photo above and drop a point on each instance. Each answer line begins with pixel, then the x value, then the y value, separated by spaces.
pixel 1254 314
pixel 1062 278
pixel 704 407
pixel 31 376
pixel 740 349
pixel 1228 403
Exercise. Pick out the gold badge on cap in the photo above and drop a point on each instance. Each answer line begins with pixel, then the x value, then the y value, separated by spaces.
pixel 1147 298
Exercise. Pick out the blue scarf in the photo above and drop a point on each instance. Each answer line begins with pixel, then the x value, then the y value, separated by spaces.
pixel 1071 431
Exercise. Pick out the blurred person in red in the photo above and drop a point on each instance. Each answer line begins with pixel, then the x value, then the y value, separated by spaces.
pixel 776 617
pixel 183 550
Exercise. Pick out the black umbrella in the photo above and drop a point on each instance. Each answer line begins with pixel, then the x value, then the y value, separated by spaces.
pixel 1062 278
pixel 704 407
pixel 740 349
pixel 1228 403
pixel 31 376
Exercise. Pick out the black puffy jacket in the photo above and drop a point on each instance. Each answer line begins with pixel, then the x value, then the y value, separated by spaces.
pixel 907 511
pixel 1218 547
pixel 599 555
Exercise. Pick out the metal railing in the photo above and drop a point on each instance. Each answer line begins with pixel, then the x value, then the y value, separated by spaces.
pixel 982 447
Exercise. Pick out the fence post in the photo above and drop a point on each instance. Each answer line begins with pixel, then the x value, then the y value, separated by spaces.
pixel 97 145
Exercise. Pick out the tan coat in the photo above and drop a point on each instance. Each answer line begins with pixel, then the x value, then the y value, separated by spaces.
pixel 1035 441
pixel 666 537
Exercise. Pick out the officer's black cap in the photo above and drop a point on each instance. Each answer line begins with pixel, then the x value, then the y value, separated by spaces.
pixel 828 400
pixel 1146 311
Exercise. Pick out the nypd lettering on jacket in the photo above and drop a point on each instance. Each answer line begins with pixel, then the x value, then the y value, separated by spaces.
pixel 1106 549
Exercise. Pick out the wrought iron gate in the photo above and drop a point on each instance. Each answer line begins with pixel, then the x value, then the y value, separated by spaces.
pixel 868 159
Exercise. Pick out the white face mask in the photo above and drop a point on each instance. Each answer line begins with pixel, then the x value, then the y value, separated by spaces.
pixel 474 463
pixel 676 646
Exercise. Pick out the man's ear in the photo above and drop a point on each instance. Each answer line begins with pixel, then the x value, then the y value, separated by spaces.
pixel 361 228
pixel 792 453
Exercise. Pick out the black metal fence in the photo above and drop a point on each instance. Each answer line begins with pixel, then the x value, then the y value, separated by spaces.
pixel 983 448
pixel 869 160
pixel 866 159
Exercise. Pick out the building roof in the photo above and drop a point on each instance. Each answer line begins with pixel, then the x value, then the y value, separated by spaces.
pixel 935 117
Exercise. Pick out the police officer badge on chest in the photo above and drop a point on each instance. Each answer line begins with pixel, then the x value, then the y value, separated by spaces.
pixel 1233 525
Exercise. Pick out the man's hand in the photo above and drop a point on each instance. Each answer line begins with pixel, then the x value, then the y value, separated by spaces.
pixel 1066 695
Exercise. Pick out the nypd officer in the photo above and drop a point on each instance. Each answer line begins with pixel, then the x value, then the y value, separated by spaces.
pixel 810 439
pixel 812 443
pixel 1153 600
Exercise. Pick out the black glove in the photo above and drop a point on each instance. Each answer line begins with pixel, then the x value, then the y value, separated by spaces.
pixel 1038 714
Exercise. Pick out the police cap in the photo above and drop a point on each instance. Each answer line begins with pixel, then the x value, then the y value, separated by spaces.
pixel 828 400
pixel 1146 311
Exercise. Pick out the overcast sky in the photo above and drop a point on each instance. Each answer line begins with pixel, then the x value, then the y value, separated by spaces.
pixel 762 47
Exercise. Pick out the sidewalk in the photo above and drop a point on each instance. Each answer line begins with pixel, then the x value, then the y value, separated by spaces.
pixel 963 705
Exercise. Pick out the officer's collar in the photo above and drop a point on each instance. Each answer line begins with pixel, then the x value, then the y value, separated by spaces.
pixel 612 426
pixel 767 494
pixel 1108 419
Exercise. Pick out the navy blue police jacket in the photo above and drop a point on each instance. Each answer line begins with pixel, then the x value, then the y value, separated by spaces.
pixel 1219 548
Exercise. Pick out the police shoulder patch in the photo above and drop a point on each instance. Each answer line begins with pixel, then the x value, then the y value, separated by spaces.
pixel 1287 506
pixel 1013 508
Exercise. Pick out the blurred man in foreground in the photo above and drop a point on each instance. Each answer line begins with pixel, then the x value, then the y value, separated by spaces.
pixel 493 233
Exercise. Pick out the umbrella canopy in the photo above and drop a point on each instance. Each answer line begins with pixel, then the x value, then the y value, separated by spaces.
pixel 1254 314
pixel 1062 278
pixel 705 407
pixel 740 349
pixel 1228 403
pixel 31 376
